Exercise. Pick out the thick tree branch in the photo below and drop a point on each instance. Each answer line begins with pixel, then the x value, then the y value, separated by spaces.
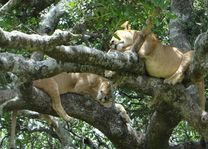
pixel 84 55
pixel 28 69
pixel 113 60
pixel 162 123
pixel 107 120
pixel 183 10
pixel 34 42
pixel 199 67
pixel 181 98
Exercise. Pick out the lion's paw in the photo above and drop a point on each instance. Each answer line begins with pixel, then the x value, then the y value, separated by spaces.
pixel 175 78
pixel 204 117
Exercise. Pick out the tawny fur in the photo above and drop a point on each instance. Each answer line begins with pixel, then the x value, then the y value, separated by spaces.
pixel 93 85
pixel 161 61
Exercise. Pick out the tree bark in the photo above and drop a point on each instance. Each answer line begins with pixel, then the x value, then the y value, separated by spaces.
pixel 107 120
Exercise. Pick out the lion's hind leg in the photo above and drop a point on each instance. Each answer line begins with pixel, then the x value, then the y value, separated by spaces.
pixel 178 76
pixel 50 86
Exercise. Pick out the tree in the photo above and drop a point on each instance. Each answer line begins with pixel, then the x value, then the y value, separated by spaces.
pixel 90 23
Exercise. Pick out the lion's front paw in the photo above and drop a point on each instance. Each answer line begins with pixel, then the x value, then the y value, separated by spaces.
pixel 106 103
pixel 204 117
pixel 175 78
pixel 122 113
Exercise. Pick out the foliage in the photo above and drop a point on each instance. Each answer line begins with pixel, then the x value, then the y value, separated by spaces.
pixel 107 17
pixel 198 22
pixel 137 106
pixel 184 133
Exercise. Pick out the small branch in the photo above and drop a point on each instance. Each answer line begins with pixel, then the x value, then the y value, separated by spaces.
pixel 63 135
pixel 8 6
pixel 51 19
pixel 33 7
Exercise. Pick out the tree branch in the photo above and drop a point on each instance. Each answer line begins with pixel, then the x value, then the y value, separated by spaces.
pixel 112 60
pixel 162 123
pixel 183 10
pixel 27 69
pixel 51 19
pixel 8 6
pixel 199 67
pixel 107 120
pixel 181 98
pixel 21 5
pixel 33 42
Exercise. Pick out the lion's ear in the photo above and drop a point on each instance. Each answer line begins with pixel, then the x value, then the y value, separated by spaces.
pixel 126 25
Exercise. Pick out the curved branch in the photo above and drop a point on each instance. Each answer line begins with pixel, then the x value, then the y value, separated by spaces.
pixel 51 19
pixel 107 120
pixel 199 67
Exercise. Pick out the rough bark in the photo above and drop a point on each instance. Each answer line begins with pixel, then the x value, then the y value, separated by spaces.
pixel 162 123
pixel 23 5
pixel 81 54
pixel 178 37
pixel 107 120
pixel 50 20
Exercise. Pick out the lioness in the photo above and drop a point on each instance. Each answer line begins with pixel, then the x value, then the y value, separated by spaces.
pixel 93 85
pixel 161 61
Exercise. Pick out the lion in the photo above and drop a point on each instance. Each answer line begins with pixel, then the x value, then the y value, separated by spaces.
pixel 97 87
pixel 161 61
pixel 90 84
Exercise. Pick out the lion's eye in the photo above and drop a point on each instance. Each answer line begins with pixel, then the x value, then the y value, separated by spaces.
pixel 112 42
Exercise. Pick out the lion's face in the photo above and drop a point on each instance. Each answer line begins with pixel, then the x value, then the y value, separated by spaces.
pixel 104 92
pixel 122 40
